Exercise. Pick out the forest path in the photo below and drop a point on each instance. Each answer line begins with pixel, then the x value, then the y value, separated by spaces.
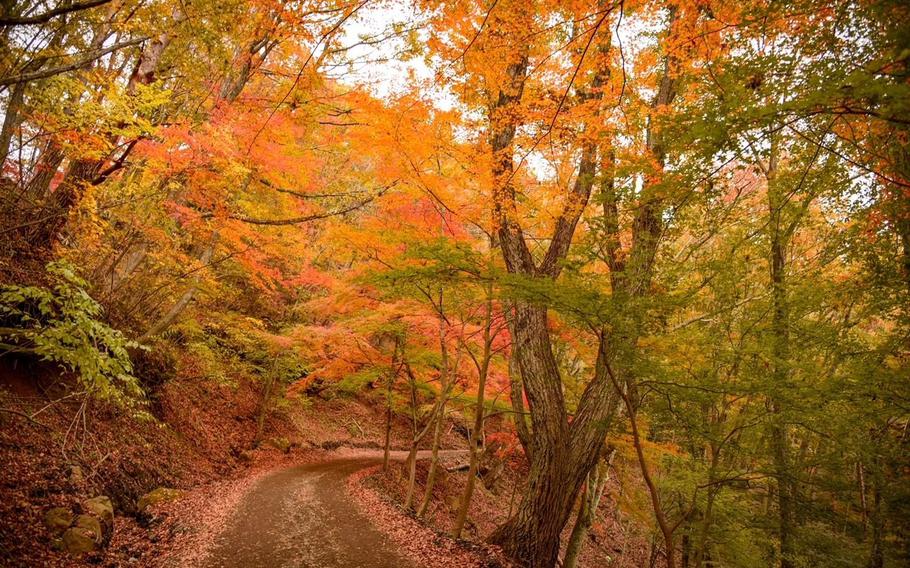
pixel 303 517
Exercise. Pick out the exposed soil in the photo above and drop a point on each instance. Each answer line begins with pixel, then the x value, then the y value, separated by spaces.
pixel 302 517
pixel 201 442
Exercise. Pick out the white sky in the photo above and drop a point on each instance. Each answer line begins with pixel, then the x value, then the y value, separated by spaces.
pixel 379 68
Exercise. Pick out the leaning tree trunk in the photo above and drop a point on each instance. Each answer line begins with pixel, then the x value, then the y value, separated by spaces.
pixel 171 315
pixel 593 490
pixel 411 463
pixel 439 415
pixel 483 368
pixel 434 459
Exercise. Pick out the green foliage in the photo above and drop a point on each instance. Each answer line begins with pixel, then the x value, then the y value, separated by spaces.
pixel 230 345
pixel 62 323
pixel 356 382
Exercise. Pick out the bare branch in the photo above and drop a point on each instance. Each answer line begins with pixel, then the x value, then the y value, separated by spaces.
pixel 78 64
pixel 65 8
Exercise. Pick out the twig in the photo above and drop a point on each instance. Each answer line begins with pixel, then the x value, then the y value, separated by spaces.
pixel 26 416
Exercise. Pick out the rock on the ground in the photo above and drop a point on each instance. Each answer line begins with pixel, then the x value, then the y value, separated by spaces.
pixel 91 524
pixel 282 444
pixel 77 540
pixel 156 496
pixel 58 520
pixel 101 508
pixel 76 477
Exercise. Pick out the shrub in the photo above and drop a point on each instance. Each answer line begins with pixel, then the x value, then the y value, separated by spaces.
pixel 62 323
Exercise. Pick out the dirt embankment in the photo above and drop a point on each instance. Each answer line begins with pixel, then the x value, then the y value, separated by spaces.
pixel 203 439
pixel 616 539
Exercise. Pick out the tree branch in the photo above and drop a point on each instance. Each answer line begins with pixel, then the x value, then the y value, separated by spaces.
pixel 78 64
pixel 66 8
pixel 305 218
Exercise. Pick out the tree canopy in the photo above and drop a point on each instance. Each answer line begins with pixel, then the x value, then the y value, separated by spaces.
pixel 673 233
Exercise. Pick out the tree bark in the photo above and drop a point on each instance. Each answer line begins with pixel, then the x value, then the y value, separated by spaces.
pixel 39 185
pixel 592 492
pixel 516 395
pixel 483 367
pixel 171 315
pixel 780 349
pixel 445 381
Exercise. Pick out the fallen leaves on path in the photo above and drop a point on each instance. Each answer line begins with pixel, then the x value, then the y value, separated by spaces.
pixel 426 547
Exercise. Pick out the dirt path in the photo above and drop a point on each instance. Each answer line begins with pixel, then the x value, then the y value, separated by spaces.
pixel 303 517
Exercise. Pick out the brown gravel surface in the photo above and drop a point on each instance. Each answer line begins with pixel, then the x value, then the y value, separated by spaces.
pixel 298 516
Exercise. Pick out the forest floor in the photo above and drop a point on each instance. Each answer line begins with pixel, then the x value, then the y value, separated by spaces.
pixel 302 516
pixel 283 490
pixel 311 493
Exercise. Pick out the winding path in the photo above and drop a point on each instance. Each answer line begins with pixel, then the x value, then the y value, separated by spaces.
pixel 303 517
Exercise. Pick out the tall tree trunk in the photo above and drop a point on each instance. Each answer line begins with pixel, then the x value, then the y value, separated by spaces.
pixel 592 492
pixel 445 381
pixel 780 348
pixel 483 366
pixel 876 554
pixel 563 453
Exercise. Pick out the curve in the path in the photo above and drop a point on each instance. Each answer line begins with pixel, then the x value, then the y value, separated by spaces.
pixel 302 517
